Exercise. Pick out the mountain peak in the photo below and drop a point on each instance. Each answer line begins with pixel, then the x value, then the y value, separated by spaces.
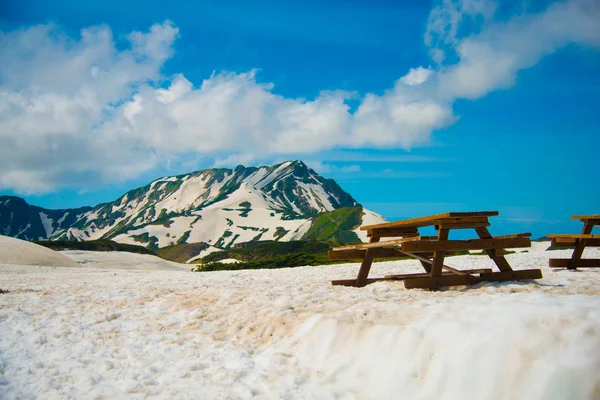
pixel 245 203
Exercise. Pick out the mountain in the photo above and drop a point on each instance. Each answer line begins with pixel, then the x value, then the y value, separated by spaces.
pixel 23 221
pixel 220 207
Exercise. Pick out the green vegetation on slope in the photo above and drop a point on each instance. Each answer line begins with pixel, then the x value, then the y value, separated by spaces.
pixel 146 238
pixel 282 261
pixel 335 227
pixel 93 245
pixel 183 239
pixel 252 251
pixel 181 252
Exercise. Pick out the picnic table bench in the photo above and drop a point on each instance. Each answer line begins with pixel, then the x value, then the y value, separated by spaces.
pixel 579 242
pixel 432 250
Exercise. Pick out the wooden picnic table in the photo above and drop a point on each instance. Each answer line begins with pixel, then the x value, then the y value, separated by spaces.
pixel 579 242
pixel 432 250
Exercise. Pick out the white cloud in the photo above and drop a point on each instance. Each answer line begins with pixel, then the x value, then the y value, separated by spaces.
pixel 416 76
pixel 54 94
pixel 490 59
pixel 85 112
pixel 75 112
pixel 446 19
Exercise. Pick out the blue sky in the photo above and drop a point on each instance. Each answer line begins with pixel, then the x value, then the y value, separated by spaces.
pixel 413 107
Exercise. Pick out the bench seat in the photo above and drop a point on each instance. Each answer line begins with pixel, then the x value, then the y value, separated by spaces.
pixel 427 244
pixel 581 263
pixel 571 240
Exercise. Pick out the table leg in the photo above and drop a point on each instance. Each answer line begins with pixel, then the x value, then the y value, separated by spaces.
pixel 497 257
pixel 579 246
pixel 365 266
pixel 438 256
pixel 426 266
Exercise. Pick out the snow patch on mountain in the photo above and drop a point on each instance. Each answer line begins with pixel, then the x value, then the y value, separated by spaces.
pixel 368 218
pixel 220 207
pixel 47 223
pixel 243 216
pixel 278 173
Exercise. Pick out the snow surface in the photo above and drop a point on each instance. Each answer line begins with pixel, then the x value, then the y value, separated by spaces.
pixel 17 251
pixel 270 334
pixel 368 218
pixel 123 260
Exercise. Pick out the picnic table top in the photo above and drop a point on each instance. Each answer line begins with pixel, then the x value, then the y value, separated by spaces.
pixel 429 220
pixel 572 235
pixel 586 217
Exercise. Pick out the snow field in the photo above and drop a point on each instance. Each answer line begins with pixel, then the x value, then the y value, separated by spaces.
pixel 17 251
pixel 123 260
pixel 101 333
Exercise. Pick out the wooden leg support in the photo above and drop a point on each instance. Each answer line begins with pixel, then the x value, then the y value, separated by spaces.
pixel 438 256
pixel 511 275
pixel 426 266
pixel 445 273
pixel 579 247
pixel 496 256
pixel 568 263
pixel 458 280
pixel 352 282
pixel 440 281
pixel 365 267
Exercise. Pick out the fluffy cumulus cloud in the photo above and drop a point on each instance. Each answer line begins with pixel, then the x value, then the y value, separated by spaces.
pixel 490 59
pixel 74 111
pixel 60 96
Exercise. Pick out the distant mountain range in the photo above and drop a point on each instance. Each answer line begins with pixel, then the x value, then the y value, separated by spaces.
pixel 220 207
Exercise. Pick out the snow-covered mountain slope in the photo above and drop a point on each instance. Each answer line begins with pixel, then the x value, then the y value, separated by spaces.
pixel 368 218
pixel 243 216
pixel 218 206
pixel 21 220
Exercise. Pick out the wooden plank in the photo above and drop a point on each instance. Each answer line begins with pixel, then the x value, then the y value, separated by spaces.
pixel 514 235
pixel 572 242
pixel 358 254
pixel 408 276
pixel 440 281
pixel 393 232
pixel 428 220
pixel 429 263
pixel 463 220
pixel 371 245
pixel 352 282
pixel 581 263
pixel 566 242
pixel 584 217
pixel 472 244
pixel 511 275
pixel 465 225
pixel 573 236
pixel 426 275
